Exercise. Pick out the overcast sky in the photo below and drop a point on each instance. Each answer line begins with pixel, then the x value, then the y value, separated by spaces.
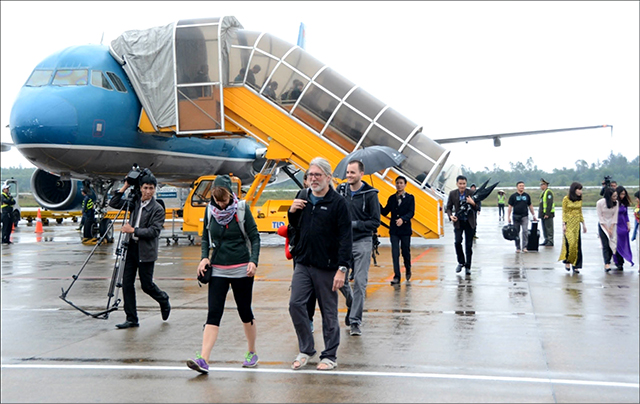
pixel 457 68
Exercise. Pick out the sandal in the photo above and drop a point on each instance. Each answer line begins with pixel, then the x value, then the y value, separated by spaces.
pixel 302 359
pixel 330 365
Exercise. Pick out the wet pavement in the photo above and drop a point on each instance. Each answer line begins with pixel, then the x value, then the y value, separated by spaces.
pixel 518 329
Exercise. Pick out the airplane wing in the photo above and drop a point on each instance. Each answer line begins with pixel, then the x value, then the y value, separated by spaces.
pixel 496 137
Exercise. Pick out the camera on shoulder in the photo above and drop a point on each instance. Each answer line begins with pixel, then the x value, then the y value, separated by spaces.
pixel 136 173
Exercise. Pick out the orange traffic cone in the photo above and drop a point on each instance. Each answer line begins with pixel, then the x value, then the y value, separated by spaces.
pixel 39 223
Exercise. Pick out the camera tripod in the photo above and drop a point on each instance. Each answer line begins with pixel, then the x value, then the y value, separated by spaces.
pixel 118 268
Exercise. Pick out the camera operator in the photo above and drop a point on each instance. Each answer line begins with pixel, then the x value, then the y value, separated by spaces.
pixel 464 221
pixel 143 229
pixel 608 183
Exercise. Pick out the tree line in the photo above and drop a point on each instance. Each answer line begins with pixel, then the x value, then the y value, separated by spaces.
pixel 617 166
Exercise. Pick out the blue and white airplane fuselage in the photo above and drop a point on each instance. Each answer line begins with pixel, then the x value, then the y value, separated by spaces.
pixel 73 118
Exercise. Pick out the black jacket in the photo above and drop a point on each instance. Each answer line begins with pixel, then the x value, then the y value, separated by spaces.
pixel 405 211
pixel 364 209
pixel 151 224
pixel 453 207
pixel 323 232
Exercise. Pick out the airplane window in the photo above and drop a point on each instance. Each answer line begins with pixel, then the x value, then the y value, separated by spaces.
pixel 117 82
pixel 39 78
pixel 98 79
pixel 71 77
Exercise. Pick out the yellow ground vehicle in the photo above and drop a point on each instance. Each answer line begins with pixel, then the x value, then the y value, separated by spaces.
pixel 271 215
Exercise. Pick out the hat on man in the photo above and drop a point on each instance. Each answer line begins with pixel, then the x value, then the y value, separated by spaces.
pixel 543 181
pixel 5 186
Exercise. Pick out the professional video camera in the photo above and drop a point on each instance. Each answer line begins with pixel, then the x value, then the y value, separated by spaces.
pixel 607 181
pixel 133 179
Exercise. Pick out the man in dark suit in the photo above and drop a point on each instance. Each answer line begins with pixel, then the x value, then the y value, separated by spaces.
pixel 461 210
pixel 144 227
pixel 402 207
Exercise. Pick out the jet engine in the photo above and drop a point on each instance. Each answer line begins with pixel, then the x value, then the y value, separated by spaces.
pixel 53 193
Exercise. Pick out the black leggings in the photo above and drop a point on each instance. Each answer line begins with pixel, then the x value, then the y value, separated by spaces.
pixel 242 293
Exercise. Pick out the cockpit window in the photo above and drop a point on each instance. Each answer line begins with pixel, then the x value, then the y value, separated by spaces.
pixel 98 79
pixel 39 78
pixel 71 77
pixel 117 82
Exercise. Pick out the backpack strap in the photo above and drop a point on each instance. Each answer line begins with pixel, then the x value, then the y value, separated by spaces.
pixel 240 214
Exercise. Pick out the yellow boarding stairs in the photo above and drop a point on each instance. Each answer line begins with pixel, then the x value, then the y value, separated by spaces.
pixel 290 141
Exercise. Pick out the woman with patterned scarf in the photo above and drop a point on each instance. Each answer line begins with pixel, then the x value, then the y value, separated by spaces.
pixel 232 264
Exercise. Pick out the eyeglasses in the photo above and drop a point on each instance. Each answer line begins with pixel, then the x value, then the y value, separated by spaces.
pixel 316 175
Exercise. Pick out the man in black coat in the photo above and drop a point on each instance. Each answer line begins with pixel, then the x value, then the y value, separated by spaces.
pixel 144 227
pixel 402 207
pixel 461 210
pixel 322 254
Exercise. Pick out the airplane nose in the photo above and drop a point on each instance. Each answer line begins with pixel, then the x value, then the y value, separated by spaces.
pixel 38 117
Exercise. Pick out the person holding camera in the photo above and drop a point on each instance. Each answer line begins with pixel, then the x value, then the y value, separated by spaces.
pixel 461 210
pixel 143 229
pixel 7 214
pixel 233 235
pixel 608 183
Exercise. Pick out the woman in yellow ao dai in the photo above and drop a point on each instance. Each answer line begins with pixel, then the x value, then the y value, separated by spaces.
pixel 571 254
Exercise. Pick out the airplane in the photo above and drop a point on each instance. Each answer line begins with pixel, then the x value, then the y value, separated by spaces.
pixel 83 118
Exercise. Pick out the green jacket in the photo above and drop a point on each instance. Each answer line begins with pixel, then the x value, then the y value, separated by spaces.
pixel 233 247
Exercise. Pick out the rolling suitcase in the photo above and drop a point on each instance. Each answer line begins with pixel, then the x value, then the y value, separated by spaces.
pixel 534 236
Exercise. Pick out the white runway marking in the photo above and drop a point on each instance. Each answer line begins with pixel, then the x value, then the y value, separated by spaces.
pixel 334 373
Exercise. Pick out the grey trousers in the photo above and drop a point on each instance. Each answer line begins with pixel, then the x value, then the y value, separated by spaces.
pixel 361 262
pixel 524 223
pixel 305 279
pixel 547 230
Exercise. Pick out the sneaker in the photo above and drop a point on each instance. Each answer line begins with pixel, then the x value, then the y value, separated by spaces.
pixel 250 360
pixel 525 250
pixel 198 364
pixel 355 330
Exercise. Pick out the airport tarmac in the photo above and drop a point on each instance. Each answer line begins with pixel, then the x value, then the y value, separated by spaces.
pixel 518 329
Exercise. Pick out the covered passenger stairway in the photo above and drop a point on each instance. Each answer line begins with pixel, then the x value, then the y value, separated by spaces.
pixel 227 81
